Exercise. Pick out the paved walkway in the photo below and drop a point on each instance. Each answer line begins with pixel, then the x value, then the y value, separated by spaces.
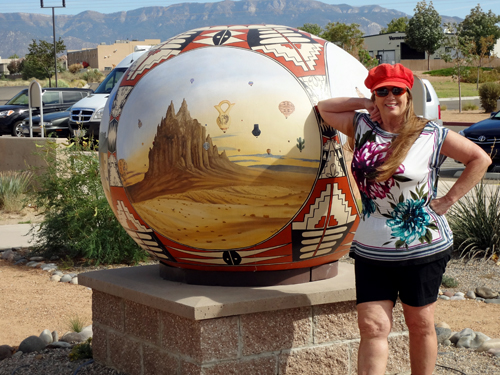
pixel 14 236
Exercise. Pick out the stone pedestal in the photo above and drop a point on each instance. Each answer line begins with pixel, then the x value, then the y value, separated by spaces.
pixel 144 325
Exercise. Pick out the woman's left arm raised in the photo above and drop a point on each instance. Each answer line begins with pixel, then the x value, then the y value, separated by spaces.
pixel 476 163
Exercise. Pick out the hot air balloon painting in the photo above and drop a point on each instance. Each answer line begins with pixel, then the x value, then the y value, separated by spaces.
pixel 191 80
pixel 268 151
pixel 286 107
pixel 223 121
pixel 250 83
pixel 139 124
pixel 206 146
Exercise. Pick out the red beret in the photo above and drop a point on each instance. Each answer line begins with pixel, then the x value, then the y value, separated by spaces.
pixel 389 75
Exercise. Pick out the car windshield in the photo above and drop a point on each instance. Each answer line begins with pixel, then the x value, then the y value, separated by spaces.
pixel 20 99
pixel 496 116
pixel 110 81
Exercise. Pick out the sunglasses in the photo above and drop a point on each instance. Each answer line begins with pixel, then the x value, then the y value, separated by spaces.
pixel 382 92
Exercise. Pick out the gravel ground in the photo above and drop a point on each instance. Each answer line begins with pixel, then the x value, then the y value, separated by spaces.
pixel 450 359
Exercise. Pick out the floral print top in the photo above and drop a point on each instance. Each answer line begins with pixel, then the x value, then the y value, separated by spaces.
pixel 398 227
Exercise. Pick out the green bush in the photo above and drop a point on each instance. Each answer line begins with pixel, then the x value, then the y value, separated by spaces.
pixel 475 222
pixel 78 221
pixel 81 351
pixel 92 75
pixel 75 68
pixel 485 75
pixel 13 186
pixel 469 107
pixel 488 94
pixel 449 282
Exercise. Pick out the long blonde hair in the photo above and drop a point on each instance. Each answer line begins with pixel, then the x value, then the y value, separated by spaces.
pixel 410 130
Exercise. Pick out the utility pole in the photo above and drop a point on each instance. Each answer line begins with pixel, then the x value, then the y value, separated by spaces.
pixel 54 31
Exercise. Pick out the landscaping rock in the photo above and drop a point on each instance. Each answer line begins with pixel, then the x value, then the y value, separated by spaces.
pixel 37 259
pixel 443 325
pixel 86 332
pixel 72 337
pixel 74 280
pixel 8 255
pixel 494 300
pixel 59 344
pixel 490 344
pixel 55 278
pixel 470 294
pixel 55 336
pixel 442 334
pixel 6 352
pixel 486 292
pixel 66 279
pixel 446 298
pixel 46 336
pixel 32 344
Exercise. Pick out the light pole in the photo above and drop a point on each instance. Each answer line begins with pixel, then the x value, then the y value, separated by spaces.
pixel 54 31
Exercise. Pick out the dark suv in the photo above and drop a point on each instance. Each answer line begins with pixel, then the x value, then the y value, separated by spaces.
pixel 16 109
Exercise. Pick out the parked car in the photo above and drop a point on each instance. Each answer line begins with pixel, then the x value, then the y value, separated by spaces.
pixel 486 134
pixel 87 113
pixel 13 113
pixel 425 100
pixel 56 122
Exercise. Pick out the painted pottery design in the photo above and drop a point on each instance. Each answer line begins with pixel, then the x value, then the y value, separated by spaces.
pixel 213 156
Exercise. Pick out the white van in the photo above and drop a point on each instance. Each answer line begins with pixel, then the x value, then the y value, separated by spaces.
pixel 425 100
pixel 86 114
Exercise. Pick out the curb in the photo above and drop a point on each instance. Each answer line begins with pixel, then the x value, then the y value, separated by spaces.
pixel 451 123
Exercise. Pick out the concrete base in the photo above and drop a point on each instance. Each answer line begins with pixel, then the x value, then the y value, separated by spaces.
pixel 145 325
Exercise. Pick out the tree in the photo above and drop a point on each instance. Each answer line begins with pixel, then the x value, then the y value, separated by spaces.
pixel 347 37
pixel 478 24
pixel 424 32
pixel 41 58
pixel 14 66
pixel 396 25
pixel 312 28
pixel 457 47
pixel 479 51
pixel 14 56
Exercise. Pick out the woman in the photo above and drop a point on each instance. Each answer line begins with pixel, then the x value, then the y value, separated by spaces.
pixel 403 242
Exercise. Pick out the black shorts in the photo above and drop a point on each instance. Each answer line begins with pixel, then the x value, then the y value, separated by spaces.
pixel 415 285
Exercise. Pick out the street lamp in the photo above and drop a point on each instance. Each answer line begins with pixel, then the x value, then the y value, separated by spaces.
pixel 54 31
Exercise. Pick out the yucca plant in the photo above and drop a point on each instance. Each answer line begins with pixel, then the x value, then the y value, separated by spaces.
pixel 13 186
pixel 475 222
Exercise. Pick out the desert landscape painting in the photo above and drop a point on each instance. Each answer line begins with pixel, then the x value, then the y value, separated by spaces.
pixel 197 170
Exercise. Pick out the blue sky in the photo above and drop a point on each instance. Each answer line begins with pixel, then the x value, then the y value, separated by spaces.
pixel 458 8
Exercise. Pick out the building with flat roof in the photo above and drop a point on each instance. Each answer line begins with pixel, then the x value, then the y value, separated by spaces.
pixel 106 56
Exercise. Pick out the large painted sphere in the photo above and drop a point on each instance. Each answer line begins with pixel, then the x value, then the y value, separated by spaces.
pixel 213 156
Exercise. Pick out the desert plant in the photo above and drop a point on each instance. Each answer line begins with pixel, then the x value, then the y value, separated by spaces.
pixel 75 68
pixel 443 107
pixel 469 106
pixel 92 75
pixel 489 93
pixel 78 221
pixel 76 324
pixel 13 186
pixel 449 282
pixel 475 222
pixel 81 351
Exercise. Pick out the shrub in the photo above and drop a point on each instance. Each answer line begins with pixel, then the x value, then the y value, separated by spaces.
pixel 75 68
pixel 469 106
pixel 78 83
pixel 475 222
pixel 93 75
pixel 485 75
pixel 78 221
pixel 76 324
pixel 13 186
pixel 81 351
pixel 443 107
pixel 449 282
pixel 62 83
pixel 488 94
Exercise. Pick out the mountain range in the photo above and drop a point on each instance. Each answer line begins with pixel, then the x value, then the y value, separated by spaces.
pixel 89 28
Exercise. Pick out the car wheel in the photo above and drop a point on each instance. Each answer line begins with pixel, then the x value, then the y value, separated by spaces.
pixel 17 129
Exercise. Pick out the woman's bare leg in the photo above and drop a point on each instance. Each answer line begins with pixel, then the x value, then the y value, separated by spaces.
pixel 375 323
pixel 423 340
